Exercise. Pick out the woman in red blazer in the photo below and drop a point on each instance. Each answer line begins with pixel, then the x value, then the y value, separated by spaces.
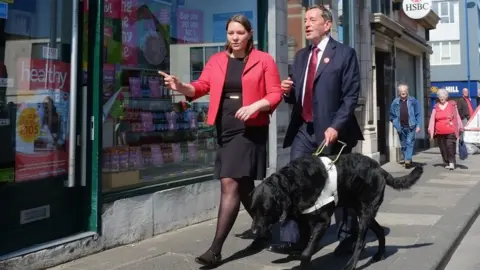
pixel 244 87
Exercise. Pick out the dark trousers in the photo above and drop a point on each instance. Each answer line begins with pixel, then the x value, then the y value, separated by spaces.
pixel 305 144
pixel 448 147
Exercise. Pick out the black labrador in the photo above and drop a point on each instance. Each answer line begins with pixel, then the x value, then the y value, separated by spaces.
pixel 360 186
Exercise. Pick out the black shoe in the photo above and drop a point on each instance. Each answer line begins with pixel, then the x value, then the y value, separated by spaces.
pixel 346 246
pixel 209 259
pixel 286 248
pixel 408 165
pixel 248 234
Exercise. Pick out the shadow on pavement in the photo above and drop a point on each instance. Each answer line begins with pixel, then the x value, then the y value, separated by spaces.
pixel 460 166
pixel 330 261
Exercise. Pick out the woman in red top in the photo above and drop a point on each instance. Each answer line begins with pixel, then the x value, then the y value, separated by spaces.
pixel 244 87
pixel 445 126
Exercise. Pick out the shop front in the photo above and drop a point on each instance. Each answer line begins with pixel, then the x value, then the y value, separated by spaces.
pixel 401 56
pixel 87 123
pixel 44 163
pixel 455 91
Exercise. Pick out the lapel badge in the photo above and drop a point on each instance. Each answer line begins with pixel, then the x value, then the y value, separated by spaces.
pixel 326 60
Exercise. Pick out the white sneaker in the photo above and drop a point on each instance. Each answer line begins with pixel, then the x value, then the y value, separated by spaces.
pixel 451 166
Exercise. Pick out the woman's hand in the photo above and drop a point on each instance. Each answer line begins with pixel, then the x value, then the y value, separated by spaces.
pixel 171 81
pixel 246 112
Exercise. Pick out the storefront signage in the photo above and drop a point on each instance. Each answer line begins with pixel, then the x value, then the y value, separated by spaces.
pixel 3 10
pixel 417 9
pixel 450 89
pixel 43 74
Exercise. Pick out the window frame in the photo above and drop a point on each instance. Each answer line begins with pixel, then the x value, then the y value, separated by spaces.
pixel 438 58
pixel 450 10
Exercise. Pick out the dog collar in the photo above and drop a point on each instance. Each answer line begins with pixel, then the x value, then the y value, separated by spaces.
pixel 329 192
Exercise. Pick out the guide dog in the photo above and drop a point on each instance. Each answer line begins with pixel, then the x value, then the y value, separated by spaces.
pixel 304 191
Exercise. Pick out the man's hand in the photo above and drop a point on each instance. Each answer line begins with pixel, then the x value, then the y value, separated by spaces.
pixel 331 136
pixel 286 85
pixel 417 130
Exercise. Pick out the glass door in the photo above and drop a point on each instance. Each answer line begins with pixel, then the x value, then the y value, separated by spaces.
pixel 42 191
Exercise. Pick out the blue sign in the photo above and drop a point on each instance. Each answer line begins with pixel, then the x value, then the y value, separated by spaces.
pixel 3 10
pixel 220 21
pixel 454 88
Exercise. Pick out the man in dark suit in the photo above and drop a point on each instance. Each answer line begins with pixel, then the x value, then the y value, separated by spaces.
pixel 323 88
pixel 464 105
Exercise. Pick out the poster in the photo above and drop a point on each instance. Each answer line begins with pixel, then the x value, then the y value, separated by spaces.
pixel 42 119
pixel 129 33
pixel 189 26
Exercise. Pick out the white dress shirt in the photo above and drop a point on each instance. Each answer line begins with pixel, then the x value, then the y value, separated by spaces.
pixel 321 46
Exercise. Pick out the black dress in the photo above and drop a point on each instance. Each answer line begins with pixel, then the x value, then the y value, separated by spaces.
pixel 242 150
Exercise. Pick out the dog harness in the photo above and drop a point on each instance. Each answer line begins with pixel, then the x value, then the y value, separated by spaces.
pixel 329 192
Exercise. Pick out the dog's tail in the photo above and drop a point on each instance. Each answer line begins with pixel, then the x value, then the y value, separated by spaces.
pixel 406 181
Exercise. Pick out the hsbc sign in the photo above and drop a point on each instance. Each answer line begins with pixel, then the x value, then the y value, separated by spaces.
pixel 417 9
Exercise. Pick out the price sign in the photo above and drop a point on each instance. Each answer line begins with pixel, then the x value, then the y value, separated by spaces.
pixel 28 125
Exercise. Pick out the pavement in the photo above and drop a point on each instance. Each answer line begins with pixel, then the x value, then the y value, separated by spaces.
pixel 423 225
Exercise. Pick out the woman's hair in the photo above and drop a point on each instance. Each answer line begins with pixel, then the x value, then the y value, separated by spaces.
pixel 442 92
pixel 245 22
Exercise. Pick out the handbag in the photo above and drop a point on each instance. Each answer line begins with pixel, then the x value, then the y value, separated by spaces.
pixel 462 150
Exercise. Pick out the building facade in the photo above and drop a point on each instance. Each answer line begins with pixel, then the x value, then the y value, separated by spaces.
pixel 456 48
pixel 97 153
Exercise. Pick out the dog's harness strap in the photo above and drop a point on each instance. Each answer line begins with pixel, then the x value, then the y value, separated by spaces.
pixel 329 192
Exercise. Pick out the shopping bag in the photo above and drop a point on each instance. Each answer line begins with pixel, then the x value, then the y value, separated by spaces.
pixel 462 150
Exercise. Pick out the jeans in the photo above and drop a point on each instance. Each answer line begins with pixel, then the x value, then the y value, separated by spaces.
pixel 407 142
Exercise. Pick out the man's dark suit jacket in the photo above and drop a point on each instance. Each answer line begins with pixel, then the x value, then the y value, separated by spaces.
pixel 336 90
pixel 463 108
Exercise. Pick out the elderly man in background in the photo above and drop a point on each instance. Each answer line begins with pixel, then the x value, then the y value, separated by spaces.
pixel 406 119
pixel 464 105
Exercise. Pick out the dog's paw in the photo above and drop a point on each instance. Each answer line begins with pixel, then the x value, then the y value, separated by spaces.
pixel 378 257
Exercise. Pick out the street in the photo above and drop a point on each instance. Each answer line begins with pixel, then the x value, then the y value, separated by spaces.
pixel 422 227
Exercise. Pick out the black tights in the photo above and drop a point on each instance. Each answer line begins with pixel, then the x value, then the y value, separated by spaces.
pixel 233 192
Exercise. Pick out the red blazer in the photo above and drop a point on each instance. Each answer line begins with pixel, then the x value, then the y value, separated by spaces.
pixel 260 79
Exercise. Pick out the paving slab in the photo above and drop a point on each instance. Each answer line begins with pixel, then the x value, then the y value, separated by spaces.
pixel 423 226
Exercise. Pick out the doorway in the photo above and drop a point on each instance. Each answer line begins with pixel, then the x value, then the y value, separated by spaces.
pixel 42 185
pixel 385 88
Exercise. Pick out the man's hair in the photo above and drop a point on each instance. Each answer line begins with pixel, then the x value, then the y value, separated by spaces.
pixel 402 85
pixel 326 13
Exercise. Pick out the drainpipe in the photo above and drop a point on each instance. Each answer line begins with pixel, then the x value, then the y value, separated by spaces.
pixel 468 44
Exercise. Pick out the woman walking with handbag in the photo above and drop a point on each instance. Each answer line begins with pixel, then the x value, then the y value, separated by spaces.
pixel 445 126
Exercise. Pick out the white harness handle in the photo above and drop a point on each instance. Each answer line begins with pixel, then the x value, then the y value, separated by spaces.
pixel 329 192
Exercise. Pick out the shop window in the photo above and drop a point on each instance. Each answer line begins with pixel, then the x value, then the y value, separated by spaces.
pixel 445 10
pixel 445 53
pixel 150 133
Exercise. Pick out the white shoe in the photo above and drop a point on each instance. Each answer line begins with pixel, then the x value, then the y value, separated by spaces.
pixel 451 166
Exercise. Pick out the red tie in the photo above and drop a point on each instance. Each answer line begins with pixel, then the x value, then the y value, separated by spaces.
pixel 307 99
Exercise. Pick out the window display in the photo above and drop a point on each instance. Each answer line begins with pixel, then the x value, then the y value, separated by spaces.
pixel 150 133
